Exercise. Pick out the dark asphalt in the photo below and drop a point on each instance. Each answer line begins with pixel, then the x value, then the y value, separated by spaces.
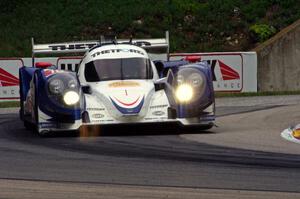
pixel 135 155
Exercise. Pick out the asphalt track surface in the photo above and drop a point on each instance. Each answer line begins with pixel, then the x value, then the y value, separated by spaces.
pixel 157 161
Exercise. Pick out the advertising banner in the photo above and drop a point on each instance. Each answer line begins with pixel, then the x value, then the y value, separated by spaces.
pixel 9 78
pixel 232 72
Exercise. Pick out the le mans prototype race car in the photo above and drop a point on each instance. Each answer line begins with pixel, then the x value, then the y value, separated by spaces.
pixel 116 83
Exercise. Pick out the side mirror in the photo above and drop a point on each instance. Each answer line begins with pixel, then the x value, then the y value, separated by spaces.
pixel 159 65
pixel 86 89
pixel 161 80
pixel 160 83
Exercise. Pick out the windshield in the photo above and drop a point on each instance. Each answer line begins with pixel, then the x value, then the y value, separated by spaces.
pixel 118 69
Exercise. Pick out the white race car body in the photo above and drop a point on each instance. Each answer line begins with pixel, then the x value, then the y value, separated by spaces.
pixel 116 83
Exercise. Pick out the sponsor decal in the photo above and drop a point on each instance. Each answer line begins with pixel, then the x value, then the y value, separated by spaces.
pixel 48 125
pixel 126 103
pixel 8 79
pixel 129 110
pixel 87 46
pixel 124 84
pixel 97 115
pixel 49 72
pixel 156 119
pixel 158 113
pixel 158 106
pixel 117 51
pixel 99 121
pixel 72 46
pixel 95 109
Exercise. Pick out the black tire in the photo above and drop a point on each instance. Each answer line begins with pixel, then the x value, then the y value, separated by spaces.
pixel 205 127
pixel 28 125
pixel 194 128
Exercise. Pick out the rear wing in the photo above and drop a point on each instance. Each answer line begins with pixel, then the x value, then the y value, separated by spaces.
pixel 150 45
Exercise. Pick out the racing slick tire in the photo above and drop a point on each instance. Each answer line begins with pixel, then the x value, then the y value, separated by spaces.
pixel 28 125
pixel 205 127
pixel 198 127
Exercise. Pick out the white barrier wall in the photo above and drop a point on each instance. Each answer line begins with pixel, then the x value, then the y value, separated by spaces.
pixel 232 72
pixel 9 78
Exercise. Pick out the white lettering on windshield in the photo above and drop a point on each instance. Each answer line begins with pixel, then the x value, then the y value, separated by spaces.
pixel 117 51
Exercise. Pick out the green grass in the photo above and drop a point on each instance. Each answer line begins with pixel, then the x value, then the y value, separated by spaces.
pixel 194 25
pixel 253 94
pixel 9 104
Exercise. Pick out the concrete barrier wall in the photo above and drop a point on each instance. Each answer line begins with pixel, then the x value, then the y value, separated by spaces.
pixel 278 61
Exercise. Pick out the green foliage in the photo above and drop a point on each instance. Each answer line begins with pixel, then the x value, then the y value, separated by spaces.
pixel 9 104
pixel 262 31
pixel 194 25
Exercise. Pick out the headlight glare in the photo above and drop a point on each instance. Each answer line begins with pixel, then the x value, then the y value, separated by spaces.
pixel 71 97
pixel 184 93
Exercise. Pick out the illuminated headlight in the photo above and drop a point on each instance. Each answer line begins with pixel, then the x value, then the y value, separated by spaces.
pixel 71 97
pixel 184 93
pixel 56 86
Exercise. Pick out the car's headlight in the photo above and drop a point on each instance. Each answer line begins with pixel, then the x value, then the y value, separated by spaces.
pixel 184 93
pixel 71 97
pixel 180 79
pixel 56 86
pixel 72 84
pixel 196 80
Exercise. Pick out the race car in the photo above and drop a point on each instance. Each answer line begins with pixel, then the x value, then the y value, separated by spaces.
pixel 117 83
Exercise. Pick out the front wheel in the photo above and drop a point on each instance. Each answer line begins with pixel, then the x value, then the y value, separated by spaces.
pixel 28 125
pixel 194 128
pixel 205 127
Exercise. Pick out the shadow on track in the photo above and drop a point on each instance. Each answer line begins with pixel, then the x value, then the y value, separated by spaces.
pixel 131 130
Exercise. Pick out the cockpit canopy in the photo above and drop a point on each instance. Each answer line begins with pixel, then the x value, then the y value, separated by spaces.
pixel 118 69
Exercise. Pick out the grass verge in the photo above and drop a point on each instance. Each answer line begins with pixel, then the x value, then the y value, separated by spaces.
pixel 253 94
pixel 9 104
